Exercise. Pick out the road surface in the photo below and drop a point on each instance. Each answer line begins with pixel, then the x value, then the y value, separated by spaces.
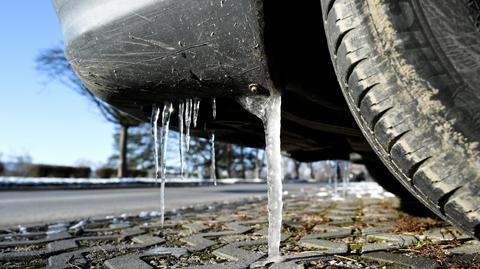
pixel 25 207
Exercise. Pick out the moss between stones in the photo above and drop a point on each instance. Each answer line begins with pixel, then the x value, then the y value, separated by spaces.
pixel 25 264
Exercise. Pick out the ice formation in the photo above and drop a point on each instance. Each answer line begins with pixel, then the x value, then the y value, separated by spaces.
pixel 154 123
pixel 181 113
pixel 166 113
pixel 214 108
pixel 196 109
pixel 268 109
pixel 335 176
pixel 188 121
pixel 345 170
pixel 212 165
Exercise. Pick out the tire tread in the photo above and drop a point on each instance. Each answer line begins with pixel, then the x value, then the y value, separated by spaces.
pixel 407 142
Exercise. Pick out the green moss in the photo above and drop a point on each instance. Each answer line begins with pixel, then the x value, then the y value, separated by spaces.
pixel 355 248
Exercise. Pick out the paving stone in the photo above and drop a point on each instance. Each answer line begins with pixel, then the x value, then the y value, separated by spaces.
pixel 287 265
pixel 148 240
pixel 132 232
pixel 119 226
pixel 50 238
pixel 379 217
pixel 62 245
pixel 340 219
pixel 68 260
pixel 234 253
pixel 196 227
pixel 376 228
pixel 198 242
pixel 327 247
pixel 127 262
pixel 176 252
pixel 472 247
pixel 342 222
pixel 395 241
pixel 396 259
pixel 329 232
pixel 444 234
pixel 59 236
pixel 16 256
pixel 362 233
pixel 262 232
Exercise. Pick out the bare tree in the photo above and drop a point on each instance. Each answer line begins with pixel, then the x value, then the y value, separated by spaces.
pixel 259 160
pixel 297 165
pixel 312 170
pixel 54 65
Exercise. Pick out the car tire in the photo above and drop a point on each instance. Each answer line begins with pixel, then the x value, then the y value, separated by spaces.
pixel 410 73
pixel 408 203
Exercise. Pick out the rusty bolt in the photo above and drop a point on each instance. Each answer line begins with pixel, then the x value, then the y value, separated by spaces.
pixel 253 88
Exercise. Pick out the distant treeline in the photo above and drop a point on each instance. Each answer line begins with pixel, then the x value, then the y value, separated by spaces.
pixel 110 173
pixel 56 171
pixel 42 170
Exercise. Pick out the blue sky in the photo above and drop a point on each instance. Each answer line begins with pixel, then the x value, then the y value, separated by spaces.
pixel 48 121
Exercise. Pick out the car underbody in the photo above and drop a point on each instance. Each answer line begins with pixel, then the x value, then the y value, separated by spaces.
pixel 173 50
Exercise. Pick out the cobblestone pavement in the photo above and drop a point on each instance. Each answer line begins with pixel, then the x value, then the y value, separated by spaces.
pixel 319 231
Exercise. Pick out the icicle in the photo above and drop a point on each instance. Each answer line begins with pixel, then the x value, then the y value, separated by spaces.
pixel 212 165
pixel 269 110
pixel 167 111
pixel 330 173
pixel 181 111
pixel 335 177
pixel 214 108
pixel 188 121
pixel 344 182
pixel 196 108
pixel 348 174
pixel 274 177
pixel 154 124
pixel 345 173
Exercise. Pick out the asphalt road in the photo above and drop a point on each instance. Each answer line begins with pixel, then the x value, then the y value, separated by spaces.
pixel 25 207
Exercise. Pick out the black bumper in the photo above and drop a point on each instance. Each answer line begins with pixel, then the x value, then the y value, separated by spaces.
pixel 150 51
pixel 133 54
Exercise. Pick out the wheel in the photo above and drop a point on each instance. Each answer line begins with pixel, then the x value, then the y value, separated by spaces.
pixel 410 72
pixel 408 203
